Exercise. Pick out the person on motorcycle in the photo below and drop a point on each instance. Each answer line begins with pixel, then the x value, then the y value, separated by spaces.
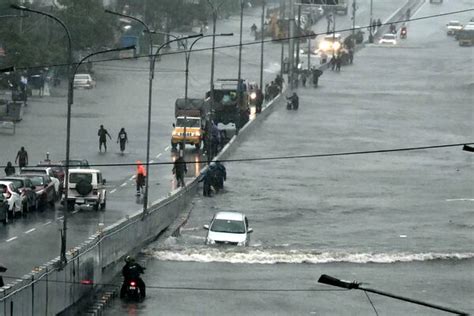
pixel 295 101
pixel 403 31
pixel 131 272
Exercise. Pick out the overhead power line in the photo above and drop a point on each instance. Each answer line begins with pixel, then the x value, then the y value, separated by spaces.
pixel 258 42
pixel 292 157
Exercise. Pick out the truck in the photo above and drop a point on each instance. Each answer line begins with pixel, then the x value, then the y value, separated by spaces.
pixel 190 122
pixel 226 107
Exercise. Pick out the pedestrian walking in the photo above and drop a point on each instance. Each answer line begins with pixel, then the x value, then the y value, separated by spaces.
pixel 140 177
pixel 205 177
pixel 303 78
pixel 379 23
pixel 333 62
pixel 351 55
pixel 122 138
pixel 102 133
pixel 338 63
pixel 316 74
pixel 22 158
pixel 259 100
pixel 179 170
pixel 9 169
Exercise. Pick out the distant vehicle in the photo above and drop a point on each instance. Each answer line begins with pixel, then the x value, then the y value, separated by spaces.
pixel 12 195
pixel 453 27
pixel 190 122
pixel 86 187
pixel 227 108
pixel 230 228
pixel 388 39
pixel 331 44
pixel 436 1
pixel 27 191
pixel 46 171
pixel 44 189
pixel 84 81
pixel 127 41
pixel 466 36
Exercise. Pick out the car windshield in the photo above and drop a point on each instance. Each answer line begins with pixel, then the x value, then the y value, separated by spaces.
pixel 37 181
pixel 228 226
pixel 35 171
pixel 181 122
pixel 76 177
pixel 389 37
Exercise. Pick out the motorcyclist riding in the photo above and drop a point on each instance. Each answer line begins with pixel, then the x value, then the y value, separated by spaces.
pixel 294 100
pixel 131 272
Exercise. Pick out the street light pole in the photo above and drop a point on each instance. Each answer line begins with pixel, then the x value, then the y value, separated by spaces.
pixel 371 36
pixel 262 30
pixel 150 87
pixel 70 96
pixel 239 73
pixel 329 280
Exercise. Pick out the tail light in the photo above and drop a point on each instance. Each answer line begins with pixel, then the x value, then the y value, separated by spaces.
pixel 133 283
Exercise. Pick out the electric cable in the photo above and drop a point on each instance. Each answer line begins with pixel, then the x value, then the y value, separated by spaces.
pixel 347 153
pixel 254 42
pixel 371 303
pixel 181 288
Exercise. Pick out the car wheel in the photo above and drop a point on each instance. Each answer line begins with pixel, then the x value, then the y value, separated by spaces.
pixel 96 206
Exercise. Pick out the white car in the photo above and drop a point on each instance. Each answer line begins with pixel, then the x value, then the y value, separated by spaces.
pixel 86 187
pixel 452 27
pixel 229 228
pixel 11 194
pixel 84 81
pixel 388 39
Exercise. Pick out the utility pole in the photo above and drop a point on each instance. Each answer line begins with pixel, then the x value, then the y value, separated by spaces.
pixel 262 29
pixel 298 39
pixel 282 16
pixel 371 36
pixel 354 9
pixel 333 30
pixel 291 54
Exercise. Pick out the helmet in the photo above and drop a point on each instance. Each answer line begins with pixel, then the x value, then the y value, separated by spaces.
pixel 129 259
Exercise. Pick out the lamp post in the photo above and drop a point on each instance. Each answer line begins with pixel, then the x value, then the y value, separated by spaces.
pixel 70 96
pixel 371 35
pixel 239 73
pixel 262 29
pixel 150 86
pixel 329 280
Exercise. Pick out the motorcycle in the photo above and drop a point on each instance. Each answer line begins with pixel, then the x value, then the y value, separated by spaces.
pixel 403 33
pixel 132 291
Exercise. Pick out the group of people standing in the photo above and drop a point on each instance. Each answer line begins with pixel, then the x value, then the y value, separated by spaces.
pixel 21 159
pixel 122 138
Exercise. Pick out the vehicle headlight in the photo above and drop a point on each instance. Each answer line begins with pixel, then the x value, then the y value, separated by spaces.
pixel 324 46
pixel 174 133
pixel 253 96
pixel 336 45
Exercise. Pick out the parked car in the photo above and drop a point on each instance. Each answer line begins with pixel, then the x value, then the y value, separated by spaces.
pixel 230 228
pixel 44 189
pixel 27 192
pixel 84 81
pixel 86 187
pixel 12 195
pixel 75 163
pixel 57 171
pixel 3 209
pixel 45 171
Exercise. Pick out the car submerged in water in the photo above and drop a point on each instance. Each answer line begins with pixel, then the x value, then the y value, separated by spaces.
pixel 228 228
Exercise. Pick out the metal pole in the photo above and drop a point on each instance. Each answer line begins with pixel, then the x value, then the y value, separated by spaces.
pixel 150 88
pixel 309 53
pixel 282 55
pixel 70 97
pixel 291 56
pixel 371 36
pixel 354 8
pixel 333 30
pixel 239 73
pixel 298 35
pixel 262 30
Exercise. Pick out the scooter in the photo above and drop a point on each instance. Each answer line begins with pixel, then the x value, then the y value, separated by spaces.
pixel 403 33
pixel 132 291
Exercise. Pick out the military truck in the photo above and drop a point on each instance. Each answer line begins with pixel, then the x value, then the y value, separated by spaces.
pixel 226 107
pixel 190 124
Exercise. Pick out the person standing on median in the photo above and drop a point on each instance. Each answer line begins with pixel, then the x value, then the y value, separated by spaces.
pixel 9 169
pixel 102 133
pixel 22 158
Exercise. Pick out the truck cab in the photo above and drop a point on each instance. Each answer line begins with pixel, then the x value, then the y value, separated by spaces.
pixel 187 130
pixel 191 117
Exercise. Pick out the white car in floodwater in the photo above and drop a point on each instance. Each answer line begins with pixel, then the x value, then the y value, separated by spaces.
pixel 229 228
pixel 388 39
